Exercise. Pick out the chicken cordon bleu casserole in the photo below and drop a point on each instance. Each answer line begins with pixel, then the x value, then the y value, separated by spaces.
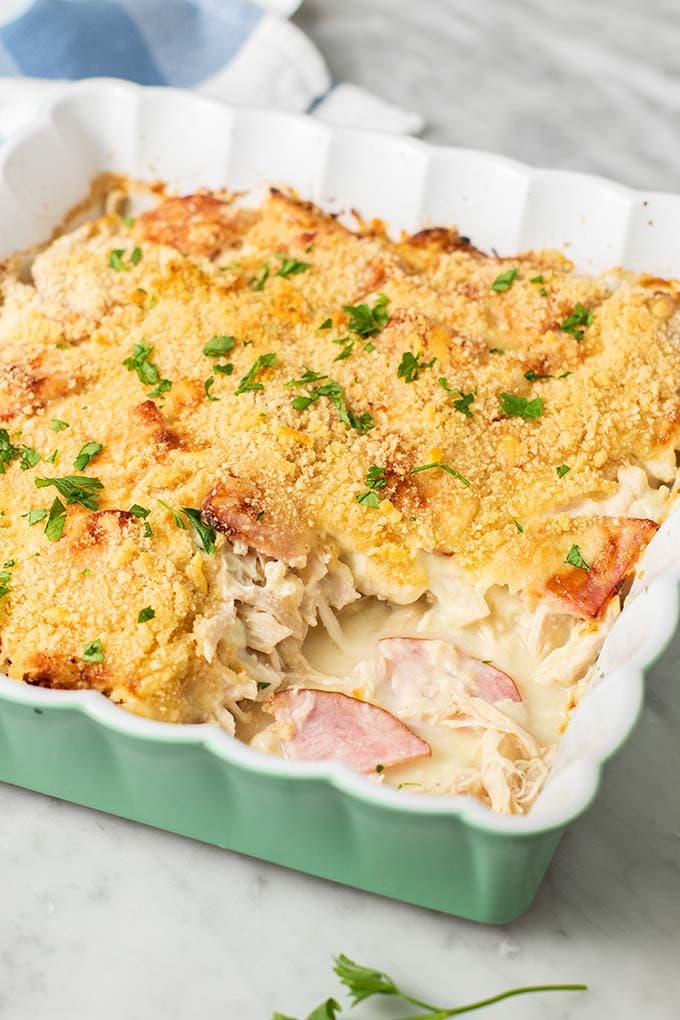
pixel 351 498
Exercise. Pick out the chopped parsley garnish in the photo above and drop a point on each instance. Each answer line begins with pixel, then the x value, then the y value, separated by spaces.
pixel 581 316
pixel 246 384
pixel 146 614
pixel 140 362
pixel 326 324
pixel 367 321
pixel 411 366
pixel 58 426
pixel 139 511
pixel 496 350
pixel 306 378
pixel 562 470
pixel 520 407
pixel 346 350
pixel 375 479
pixel 444 467
pixel 535 376
pixel 75 489
pixel 209 382
pixel 29 458
pixel 218 346
pixel 128 221
pixel 56 520
pixel 519 527
pixel 336 394
pixel 116 259
pixel 464 400
pixel 537 279
pixel 262 685
pixel 35 515
pixel 575 559
pixel 224 369
pixel 505 280
pixel 290 267
pixel 52 459
pixel 161 387
pixel 205 535
pixel 87 453
pixel 258 282
pixel 94 652
pixel 8 452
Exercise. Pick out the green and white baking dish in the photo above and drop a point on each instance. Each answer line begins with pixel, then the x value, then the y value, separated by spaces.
pixel 451 854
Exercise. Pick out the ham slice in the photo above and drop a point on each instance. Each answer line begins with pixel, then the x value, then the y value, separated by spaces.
pixel 195 225
pixel 586 592
pixel 327 725
pixel 418 662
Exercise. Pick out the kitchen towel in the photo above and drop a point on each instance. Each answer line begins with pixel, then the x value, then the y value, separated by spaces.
pixel 244 53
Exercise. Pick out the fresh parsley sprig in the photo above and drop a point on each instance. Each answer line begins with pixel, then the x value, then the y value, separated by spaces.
pixel 205 535
pixel 520 407
pixel 75 489
pixel 116 256
pixel 375 479
pixel 290 267
pixel 335 393
pixel 575 559
pixel 367 321
pixel 464 400
pixel 246 384
pixel 411 366
pixel 505 280
pixel 364 982
pixel 443 467
pixel 147 372
pixel 581 316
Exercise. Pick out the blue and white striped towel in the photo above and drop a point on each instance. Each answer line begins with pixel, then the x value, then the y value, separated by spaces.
pixel 244 53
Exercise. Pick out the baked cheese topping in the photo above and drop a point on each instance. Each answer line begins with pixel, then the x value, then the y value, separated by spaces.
pixel 246 450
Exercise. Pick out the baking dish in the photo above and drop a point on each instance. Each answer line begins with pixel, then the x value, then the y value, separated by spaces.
pixel 450 854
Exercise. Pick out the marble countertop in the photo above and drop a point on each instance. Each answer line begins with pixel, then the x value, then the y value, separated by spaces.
pixel 101 917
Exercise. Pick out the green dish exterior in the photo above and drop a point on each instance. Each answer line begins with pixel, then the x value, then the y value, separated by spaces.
pixel 433 860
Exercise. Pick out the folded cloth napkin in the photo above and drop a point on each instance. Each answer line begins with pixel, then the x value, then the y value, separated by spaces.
pixel 246 54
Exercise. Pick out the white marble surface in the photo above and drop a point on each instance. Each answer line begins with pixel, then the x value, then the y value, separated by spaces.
pixel 100 917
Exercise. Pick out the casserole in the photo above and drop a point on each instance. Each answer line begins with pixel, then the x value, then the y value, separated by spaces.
pixel 449 855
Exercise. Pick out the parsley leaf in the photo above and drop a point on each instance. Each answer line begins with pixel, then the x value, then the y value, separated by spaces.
pixel 410 366
pixel 505 280
pixel 518 526
pixel 116 259
pixel 326 324
pixel 218 346
pixel 367 321
pixel 258 282
pixel 94 652
pixel 537 279
pixel 207 385
pixel 444 467
pixel 36 514
pixel 56 520
pixel 75 489
pixel 177 517
pixel 520 407
pixel 29 458
pixel 375 479
pixel 87 453
pixel 290 267
pixel 161 387
pixel 224 369
pixel 306 378
pixel 336 394
pixel 575 559
pixel 246 384
pixel 562 470
pixel 8 452
pixel 535 376
pixel 139 511
pixel 146 614
pixel 128 221
pixel 139 362
pixel 581 316
pixel 205 535
pixel 465 399
pixel 58 426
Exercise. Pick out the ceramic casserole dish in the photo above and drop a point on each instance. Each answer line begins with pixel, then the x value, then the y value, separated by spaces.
pixel 450 854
